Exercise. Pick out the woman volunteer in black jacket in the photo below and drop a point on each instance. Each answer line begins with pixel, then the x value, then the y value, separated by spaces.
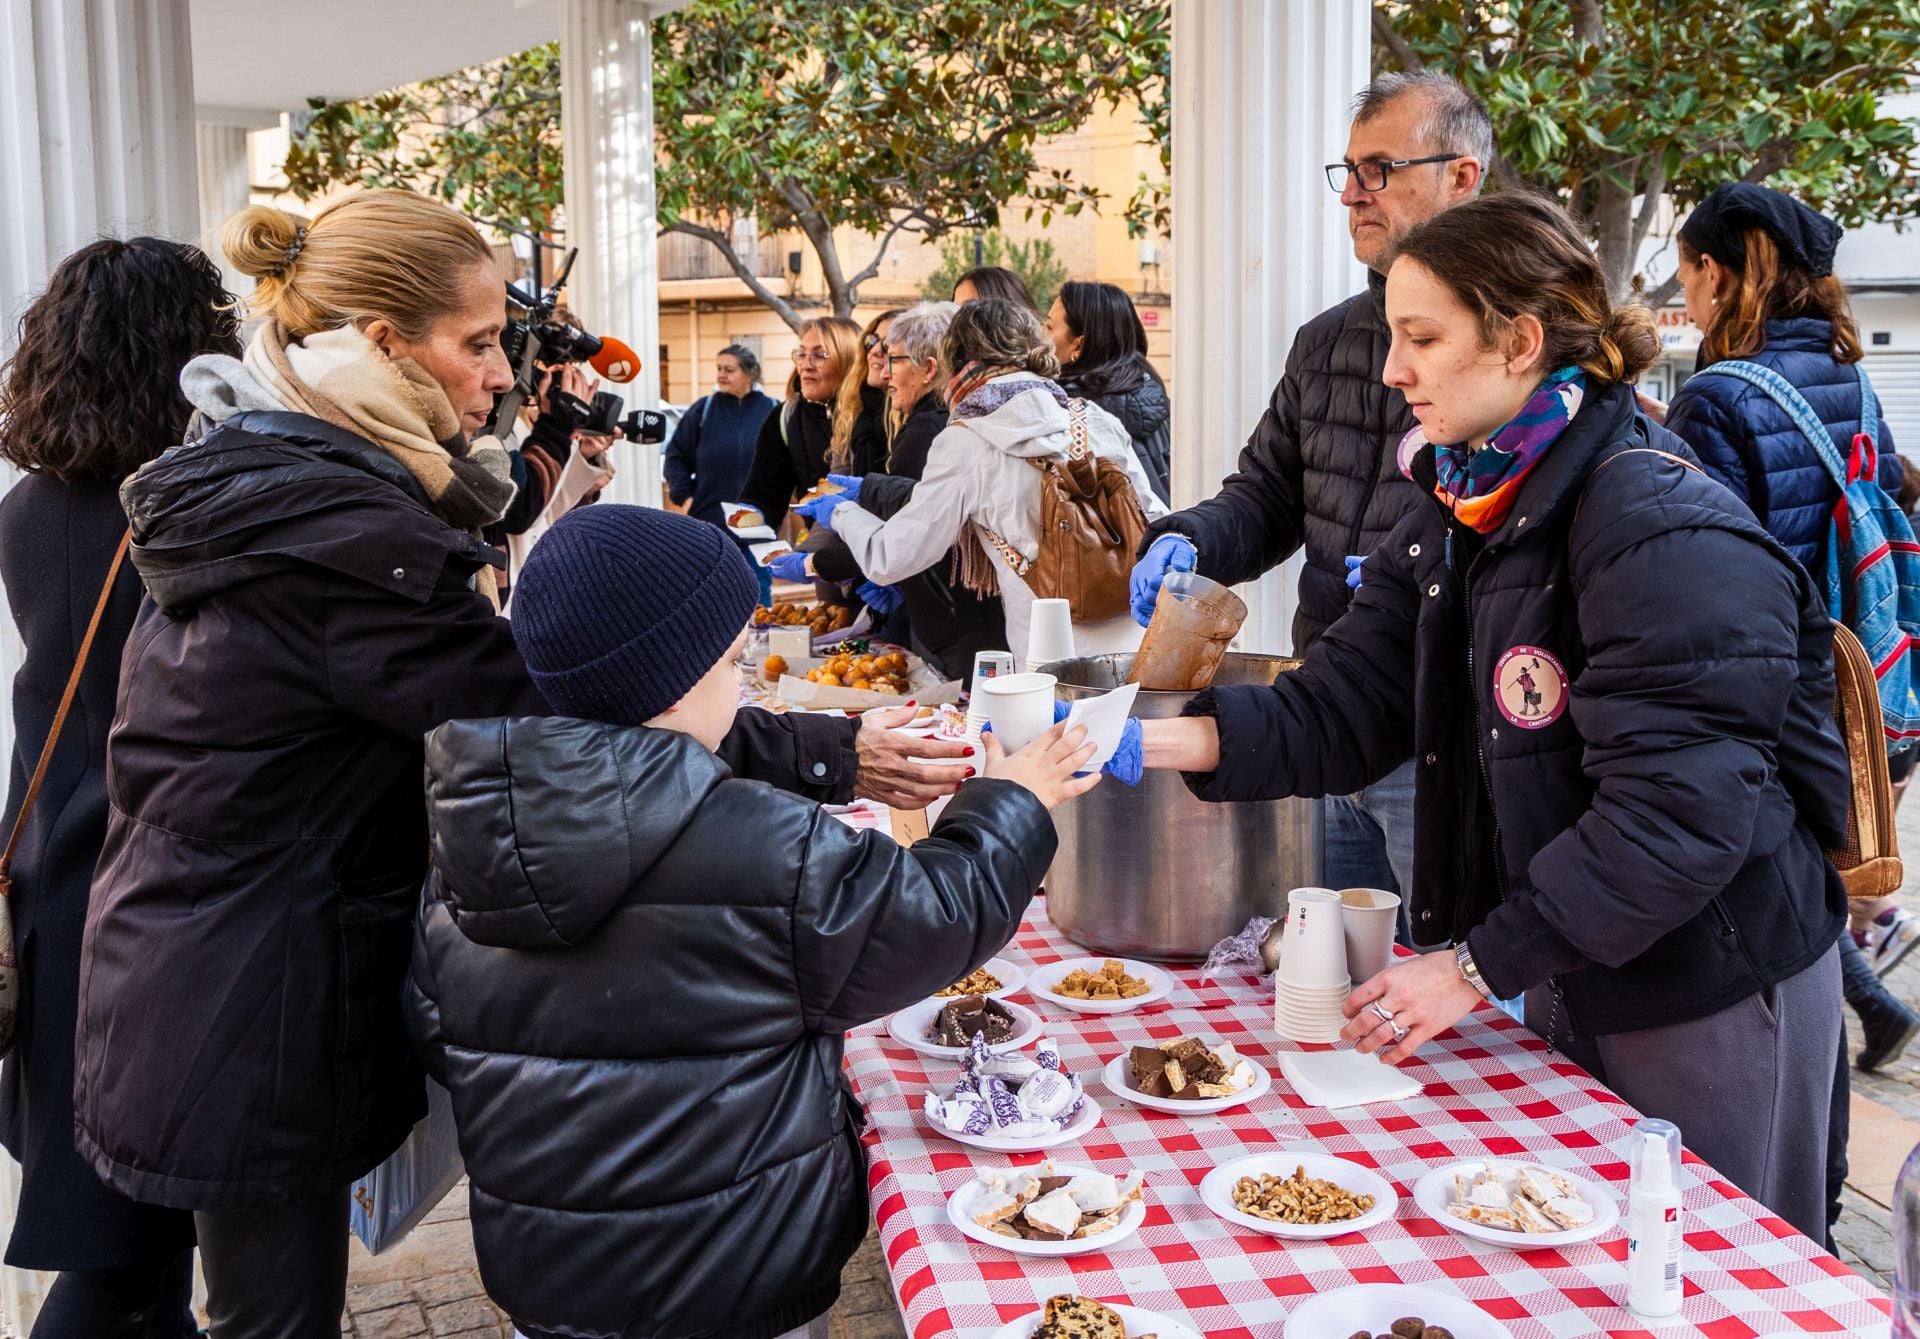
pixel 1616 685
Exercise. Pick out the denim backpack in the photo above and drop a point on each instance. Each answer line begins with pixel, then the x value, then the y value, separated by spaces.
pixel 1873 563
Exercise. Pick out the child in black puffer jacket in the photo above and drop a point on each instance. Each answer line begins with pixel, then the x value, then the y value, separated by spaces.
pixel 633 971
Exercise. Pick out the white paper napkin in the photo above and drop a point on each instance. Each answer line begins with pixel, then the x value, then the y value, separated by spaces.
pixel 1345 1078
pixel 1105 717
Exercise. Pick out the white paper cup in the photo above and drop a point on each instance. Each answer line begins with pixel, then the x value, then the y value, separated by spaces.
pixel 1049 634
pixel 1313 949
pixel 1369 931
pixel 1019 707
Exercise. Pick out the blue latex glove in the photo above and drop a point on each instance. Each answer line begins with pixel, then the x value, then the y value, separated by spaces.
pixel 883 600
pixel 1128 763
pixel 1353 561
pixel 820 510
pixel 790 567
pixel 1169 553
pixel 849 483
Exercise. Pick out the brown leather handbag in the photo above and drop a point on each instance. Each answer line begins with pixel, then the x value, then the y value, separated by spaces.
pixel 1869 860
pixel 9 960
pixel 1090 526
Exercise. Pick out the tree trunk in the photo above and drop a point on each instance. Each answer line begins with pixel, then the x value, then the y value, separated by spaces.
pixel 778 305
pixel 1613 236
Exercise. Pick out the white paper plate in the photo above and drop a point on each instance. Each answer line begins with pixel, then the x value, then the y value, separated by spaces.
pixel 910 1026
pixel 1434 1191
pixel 1374 1306
pixel 1136 1321
pixel 1115 1077
pixel 959 1201
pixel 767 552
pixel 1010 976
pixel 1216 1192
pixel 1159 982
pixel 1083 1121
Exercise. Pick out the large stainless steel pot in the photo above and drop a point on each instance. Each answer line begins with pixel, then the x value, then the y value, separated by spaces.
pixel 1152 872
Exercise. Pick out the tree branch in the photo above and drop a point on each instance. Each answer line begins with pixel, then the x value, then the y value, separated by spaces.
pixel 1654 192
pixel 777 304
pixel 1589 24
pixel 1773 155
pixel 1658 297
pixel 1403 54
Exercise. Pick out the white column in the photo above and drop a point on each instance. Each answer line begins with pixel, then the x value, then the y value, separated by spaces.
pixel 225 189
pixel 606 93
pixel 96 133
pixel 1261 90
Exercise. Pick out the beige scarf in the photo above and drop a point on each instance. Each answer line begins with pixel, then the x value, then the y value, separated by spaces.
pixel 342 377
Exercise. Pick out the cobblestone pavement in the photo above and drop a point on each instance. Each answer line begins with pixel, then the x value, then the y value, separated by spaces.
pixel 427 1286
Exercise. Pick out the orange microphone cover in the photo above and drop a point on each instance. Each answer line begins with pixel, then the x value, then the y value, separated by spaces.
pixel 615 361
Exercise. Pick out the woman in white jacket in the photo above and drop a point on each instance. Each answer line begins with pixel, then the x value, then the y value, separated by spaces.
pixel 980 480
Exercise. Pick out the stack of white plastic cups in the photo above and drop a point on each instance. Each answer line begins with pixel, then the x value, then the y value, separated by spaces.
pixel 1312 983
pixel 986 665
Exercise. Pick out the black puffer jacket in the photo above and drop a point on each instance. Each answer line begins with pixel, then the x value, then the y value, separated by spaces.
pixel 1318 470
pixel 1645 830
pixel 640 1014
pixel 789 457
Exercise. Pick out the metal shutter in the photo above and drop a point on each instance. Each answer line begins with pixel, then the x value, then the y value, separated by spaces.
pixel 1896 378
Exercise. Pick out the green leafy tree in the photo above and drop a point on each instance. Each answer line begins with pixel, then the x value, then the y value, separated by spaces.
pixel 486 140
pixel 887 117
pixel 1033 261
pixel 1626 109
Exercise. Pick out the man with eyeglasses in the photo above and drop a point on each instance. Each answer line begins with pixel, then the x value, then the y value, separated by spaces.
pixel 1319 471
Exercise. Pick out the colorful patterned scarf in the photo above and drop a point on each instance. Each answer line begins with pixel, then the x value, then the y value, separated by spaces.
pixel 1479 486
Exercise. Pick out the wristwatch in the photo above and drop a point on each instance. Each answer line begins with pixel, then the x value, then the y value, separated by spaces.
pixel 1463 958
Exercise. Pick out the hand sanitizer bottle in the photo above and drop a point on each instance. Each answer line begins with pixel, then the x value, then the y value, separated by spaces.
pixel 1653 1220
pixel 1906 1249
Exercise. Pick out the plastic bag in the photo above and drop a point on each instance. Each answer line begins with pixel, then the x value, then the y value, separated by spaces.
pixel 389 1201
pixel 1241 950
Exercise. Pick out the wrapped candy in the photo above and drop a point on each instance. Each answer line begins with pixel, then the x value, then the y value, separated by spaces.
pixel 1008 1095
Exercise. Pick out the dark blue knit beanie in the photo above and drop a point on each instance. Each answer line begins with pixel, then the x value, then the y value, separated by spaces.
pixel 619 610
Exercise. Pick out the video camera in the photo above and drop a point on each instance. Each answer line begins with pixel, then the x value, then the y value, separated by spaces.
pixel 533 338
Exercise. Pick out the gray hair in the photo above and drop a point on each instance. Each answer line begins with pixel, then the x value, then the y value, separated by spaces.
pixel 918 330
pixel 1456 121
pixel 749 360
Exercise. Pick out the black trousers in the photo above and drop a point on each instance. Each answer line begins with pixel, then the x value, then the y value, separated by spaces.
pixel 278 1273
pixel 152 1300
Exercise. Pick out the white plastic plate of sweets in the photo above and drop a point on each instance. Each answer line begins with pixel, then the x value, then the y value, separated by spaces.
pixel 1434 1191
pixel 1082 1123
pixel 1138 1322
pixel 1117 1076
pixel 912 1026
pixel 1010 977
pixel 1044 979
pixel 1373 1307
pixel 961 1202
pixel 1216 1192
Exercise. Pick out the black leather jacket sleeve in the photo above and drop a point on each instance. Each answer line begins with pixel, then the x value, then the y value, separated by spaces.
pixel 1258 518
pixel 809 755
pixel 878 926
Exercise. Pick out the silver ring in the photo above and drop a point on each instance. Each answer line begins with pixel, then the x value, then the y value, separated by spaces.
pixel 1399 1033
pixel 1385 1017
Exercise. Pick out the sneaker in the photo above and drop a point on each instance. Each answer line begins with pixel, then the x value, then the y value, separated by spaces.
pixel 1892 936
pixel 1887 1026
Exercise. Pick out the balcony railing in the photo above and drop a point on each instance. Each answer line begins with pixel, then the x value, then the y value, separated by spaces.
pixel 687 257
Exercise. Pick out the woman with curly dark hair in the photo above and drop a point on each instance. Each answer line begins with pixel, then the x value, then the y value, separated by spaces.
pixel 91 394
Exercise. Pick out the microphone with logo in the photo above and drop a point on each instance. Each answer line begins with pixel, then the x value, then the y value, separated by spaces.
pixel 534 339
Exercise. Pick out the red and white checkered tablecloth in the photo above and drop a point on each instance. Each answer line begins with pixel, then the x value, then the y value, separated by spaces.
pixel 1493 1089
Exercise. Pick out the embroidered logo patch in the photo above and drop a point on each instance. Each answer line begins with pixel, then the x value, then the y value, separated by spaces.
pixel 1530 687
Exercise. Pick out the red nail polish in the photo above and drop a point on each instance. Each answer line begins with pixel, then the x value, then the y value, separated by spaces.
pixel 912 703
pixel 970 772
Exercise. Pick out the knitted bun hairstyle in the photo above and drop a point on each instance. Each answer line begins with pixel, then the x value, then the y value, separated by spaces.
pixel 375 254
pixel 1519 254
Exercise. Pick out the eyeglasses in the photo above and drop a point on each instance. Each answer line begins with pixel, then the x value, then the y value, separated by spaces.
pixel 869 341
pixel 1373 174
pixel 895 359
pixel 812 356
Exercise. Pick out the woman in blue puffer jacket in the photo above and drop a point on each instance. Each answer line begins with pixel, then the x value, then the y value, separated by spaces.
pixel 1757 269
